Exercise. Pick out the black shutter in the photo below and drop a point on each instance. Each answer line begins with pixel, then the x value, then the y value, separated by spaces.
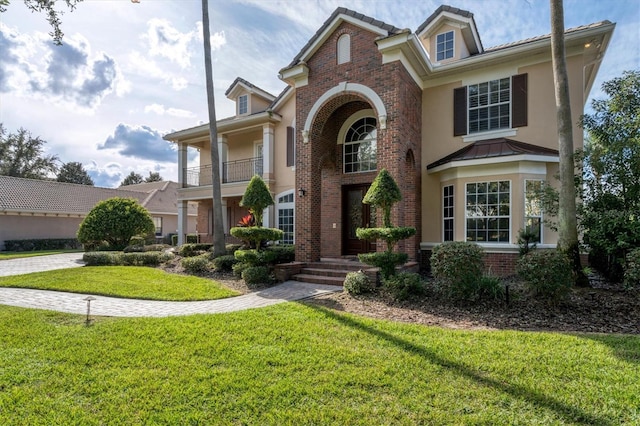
pixel 519 100
pixel 460 111
pixel 291 160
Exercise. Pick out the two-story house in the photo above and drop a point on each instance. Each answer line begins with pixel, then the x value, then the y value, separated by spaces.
pixel 467 133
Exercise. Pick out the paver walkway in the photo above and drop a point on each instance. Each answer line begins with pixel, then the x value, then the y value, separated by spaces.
pixel 116 307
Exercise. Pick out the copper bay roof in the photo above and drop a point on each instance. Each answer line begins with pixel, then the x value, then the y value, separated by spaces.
pixel 493 148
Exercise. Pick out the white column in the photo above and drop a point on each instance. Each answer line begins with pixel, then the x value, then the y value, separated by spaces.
pixel 268 142
pixel 183 226
pixel 182 164
pixel 225 219
pixel 223 154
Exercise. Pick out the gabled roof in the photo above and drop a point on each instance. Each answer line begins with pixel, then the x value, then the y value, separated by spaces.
pixel 444 13
pixel 308 50
pixel 493 148
pixel 240 84
pixel 18 195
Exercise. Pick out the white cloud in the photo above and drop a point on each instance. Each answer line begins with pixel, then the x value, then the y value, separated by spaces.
pixel 174 112
pixel 148 68
pixel 166 41
pixel 69 75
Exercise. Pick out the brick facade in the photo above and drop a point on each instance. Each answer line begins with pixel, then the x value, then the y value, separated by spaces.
pixel 319 163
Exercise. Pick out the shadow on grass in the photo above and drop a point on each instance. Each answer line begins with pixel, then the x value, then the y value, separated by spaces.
pixel 623 347
pixel 567 412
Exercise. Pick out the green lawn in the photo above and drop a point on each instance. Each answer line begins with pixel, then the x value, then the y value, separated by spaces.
pixel 136 282
pixel 301 365
pixel 5 255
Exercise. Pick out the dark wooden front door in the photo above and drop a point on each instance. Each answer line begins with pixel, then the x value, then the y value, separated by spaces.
pixel 356 215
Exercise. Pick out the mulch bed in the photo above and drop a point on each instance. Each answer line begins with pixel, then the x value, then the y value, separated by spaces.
pixel 603 308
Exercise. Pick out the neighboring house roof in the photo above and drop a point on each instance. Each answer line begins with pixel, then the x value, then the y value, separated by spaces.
pixel 492 148
pixel 18 195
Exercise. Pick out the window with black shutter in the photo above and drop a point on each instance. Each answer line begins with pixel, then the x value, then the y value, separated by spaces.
pixel 460 111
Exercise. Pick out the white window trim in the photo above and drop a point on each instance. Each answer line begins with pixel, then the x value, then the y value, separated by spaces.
pixel 491 132
pixel 488 243
pixel 453 218
pixel 365 113
pixel 524 209
pixel 453 51
pixel 238 108
pixel 291 205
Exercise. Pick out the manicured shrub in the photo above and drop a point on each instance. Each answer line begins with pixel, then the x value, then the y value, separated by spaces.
pixel 196 264
pixel 154 247
pixel 404 285
pixel 256 257
pixel 238 268
pixel 231 248
pixel 256 198
pixel 632 269
pixel 174 240
pixel 254 275
pixel 458 267
pixel 547 273
pixel 285 253
pixel 188 250
pixel 224 263
pixel 104 258
pixel 358 283
pixel 386 261
pixel 115 221
pixel 100 258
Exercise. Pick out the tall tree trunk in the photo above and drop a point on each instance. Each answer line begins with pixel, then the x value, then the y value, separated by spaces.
pixel 568 224
pixel 218 228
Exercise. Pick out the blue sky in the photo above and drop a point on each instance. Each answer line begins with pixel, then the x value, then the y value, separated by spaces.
pixel 130 73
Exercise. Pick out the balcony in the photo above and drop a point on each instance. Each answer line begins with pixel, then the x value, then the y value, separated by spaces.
pixel 232 171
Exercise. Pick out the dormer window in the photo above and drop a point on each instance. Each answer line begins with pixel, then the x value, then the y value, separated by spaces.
pixel 344 49
pixel 243 104
pixel 444 46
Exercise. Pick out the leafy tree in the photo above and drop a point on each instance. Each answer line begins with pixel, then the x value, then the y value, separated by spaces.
pixel 567 217
pixel 132 179
pixel 73 172
pixel 53 15
pixel 611 217
pixel 153 177
pixel 613 143
pixel 257 198
pixel 115 221
pixel 21 155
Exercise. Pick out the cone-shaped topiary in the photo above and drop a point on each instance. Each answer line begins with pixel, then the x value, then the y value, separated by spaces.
pixel 383 193
pixel 257 198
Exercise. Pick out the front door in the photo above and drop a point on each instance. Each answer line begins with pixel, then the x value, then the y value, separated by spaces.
pixel 356 215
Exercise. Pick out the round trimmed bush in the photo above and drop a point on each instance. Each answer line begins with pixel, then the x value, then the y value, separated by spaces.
pixel 458 267
pixel 404 285
pixel 196 264
pixel 358 283
pixel 547 273
pixel 254 275
pixel 224 263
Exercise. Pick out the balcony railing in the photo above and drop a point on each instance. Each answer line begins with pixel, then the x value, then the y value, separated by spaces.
pixel 232 171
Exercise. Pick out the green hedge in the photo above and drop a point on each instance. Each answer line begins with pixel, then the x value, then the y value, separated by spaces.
pixel 42 244
pixel 116 258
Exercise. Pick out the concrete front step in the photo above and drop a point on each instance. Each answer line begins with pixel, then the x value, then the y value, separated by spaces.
pixel 319 279
pixel 325 272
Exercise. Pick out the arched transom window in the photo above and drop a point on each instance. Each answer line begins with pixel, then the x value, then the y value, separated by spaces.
pixel 360 146
pixel 344 49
